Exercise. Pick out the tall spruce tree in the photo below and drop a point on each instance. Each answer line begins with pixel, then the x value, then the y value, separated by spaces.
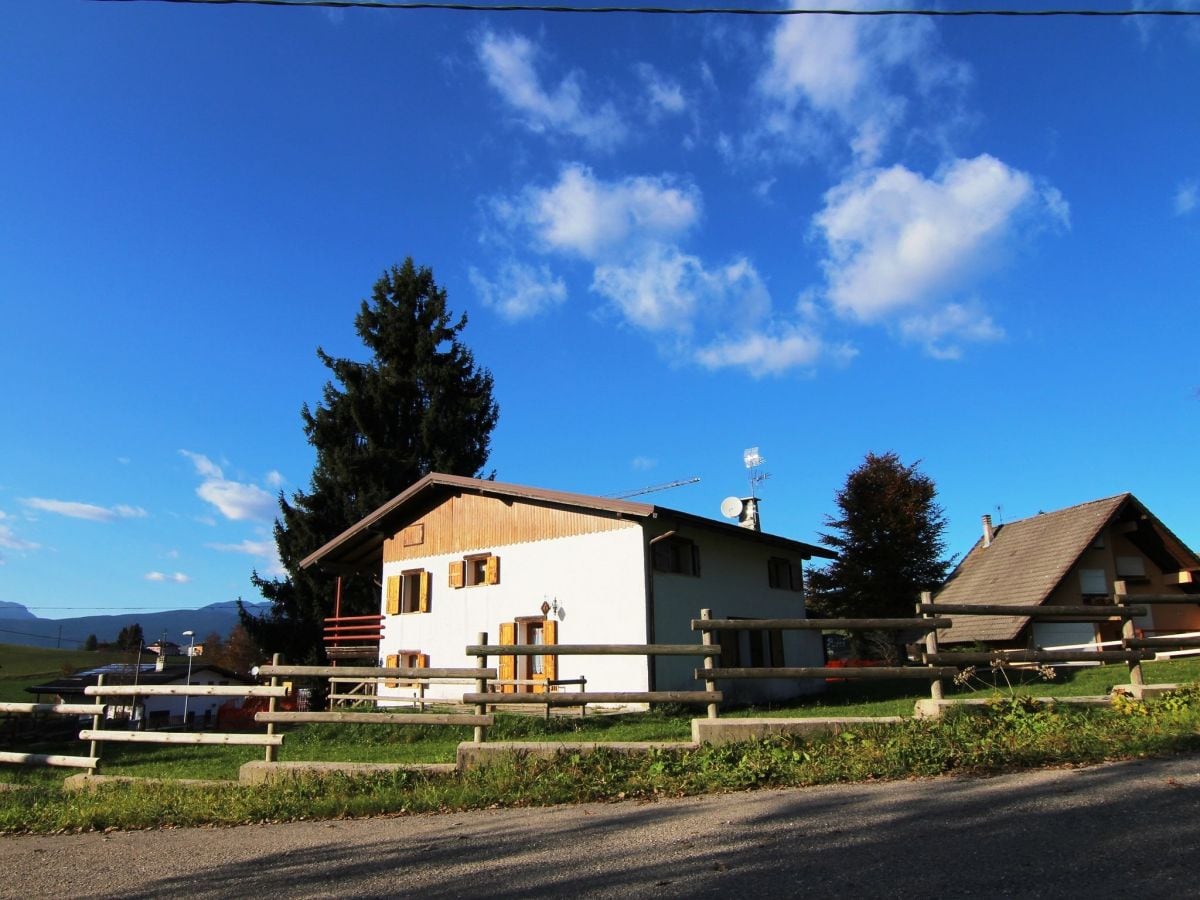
pixel 888 536
pixel 419 405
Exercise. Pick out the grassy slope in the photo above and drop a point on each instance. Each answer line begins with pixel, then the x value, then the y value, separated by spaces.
pixel 22 666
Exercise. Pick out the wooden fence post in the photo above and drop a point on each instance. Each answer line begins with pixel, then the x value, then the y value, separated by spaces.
pixel 706 638
pixel 1128 633
pixel 97 719
pixel 936 690
pixel 270 749
pixel 481 687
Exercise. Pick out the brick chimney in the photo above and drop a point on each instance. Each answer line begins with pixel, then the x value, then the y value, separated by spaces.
pixel 988 533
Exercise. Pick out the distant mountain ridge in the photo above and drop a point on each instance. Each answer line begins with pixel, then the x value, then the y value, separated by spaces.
pixel 20 626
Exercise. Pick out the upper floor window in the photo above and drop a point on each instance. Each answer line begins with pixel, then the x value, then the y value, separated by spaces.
pixel 676 555
pixel 476 569
pixel 784 574
pixel 408 592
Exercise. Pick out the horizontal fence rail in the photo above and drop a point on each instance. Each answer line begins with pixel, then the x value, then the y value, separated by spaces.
pixel 390 672
pixel 58 760
pixel 592 650
pixel 179 737
pixel 183 690
pixel 575 698
pixel 867 673
pixel 915 624
pixel 379 718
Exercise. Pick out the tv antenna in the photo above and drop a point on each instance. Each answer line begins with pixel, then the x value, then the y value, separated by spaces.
pixel 754 463
pixel 654 488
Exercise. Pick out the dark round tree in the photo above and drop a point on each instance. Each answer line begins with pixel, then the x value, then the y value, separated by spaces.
pixel 888 537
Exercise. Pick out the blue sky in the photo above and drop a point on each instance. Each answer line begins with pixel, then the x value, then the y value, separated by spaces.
pixel 974 242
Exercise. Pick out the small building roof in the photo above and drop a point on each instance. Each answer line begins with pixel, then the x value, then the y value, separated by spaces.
pixel 1029 558
pixel 130 673
pixel 360 547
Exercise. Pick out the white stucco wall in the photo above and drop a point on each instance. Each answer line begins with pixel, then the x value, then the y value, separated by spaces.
pixel 597 579
pixel 732 583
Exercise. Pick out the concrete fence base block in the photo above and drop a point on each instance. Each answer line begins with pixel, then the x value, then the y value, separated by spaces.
pixel 731 731
pixel 935 709
pixel 1145 691
pixel 260 772
pixel 471 754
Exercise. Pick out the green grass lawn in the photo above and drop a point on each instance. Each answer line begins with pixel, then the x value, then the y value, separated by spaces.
pixel 21 667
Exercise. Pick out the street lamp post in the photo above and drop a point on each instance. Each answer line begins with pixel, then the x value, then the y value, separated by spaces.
pixel 191 651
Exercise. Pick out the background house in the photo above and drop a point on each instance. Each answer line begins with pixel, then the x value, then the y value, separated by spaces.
pixel 150 711
pixel 1072 556
pixel 459 556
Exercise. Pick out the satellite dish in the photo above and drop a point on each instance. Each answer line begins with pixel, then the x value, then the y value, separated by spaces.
pixel 731 507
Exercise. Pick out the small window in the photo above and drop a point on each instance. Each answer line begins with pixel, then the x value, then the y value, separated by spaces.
pixel 408 592
pixel 405 659
pixel 477 569
pixel 1092 581
pixel 677 556
pixel 1131 567
pixel 784 575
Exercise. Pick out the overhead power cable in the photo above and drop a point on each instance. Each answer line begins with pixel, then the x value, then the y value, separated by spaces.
pixel 691 11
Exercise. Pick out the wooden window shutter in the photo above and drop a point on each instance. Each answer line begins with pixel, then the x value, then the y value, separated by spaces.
pixel 696 560
pixel 797 577
pixel 458 573
pixel 491 570
pixel 550 663
pixel 422 661
pixel 423 599
pixel 508 664
pixel 393 595
pixel 392 662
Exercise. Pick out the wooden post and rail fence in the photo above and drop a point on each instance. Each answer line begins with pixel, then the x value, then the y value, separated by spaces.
pixel 709 627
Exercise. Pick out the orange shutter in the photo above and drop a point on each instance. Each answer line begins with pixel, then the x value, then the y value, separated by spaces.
pixel 423 598
pixel 458 573
pixel 550 636
pixel 392 662
pixel 508 664
pixel 491 570
pixel 393 595
pixel 422 661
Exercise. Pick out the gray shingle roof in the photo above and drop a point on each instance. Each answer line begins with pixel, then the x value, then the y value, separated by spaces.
pixel 1024 564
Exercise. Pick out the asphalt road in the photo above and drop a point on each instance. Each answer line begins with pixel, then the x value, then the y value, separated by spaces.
pixel 1121 830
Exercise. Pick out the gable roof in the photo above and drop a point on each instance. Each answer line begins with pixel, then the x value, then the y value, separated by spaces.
pixel 1029 558
pixel 360 546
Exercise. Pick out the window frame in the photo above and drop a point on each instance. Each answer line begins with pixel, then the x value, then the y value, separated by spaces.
pixel 675 555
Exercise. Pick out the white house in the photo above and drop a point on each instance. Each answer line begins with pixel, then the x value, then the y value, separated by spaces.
pixel 460 556
pixel 151 711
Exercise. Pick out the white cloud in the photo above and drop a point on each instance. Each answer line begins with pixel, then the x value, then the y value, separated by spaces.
pixel 266 551
pixel 770 352
pixel 663 95
pixel 896 239
pixel 76 510
pixel 837 75
pixel 235 500
pixel 628 229
pixel 9 539
pixel 666 290
pixel 643 463
pixel 520 291
pixel 594 218
pixel 178 577
pixel 509 62
pixel 275 479
pixel 941 330
pixel 1187 197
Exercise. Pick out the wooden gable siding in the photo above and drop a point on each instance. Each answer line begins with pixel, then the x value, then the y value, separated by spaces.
pixel 473 522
